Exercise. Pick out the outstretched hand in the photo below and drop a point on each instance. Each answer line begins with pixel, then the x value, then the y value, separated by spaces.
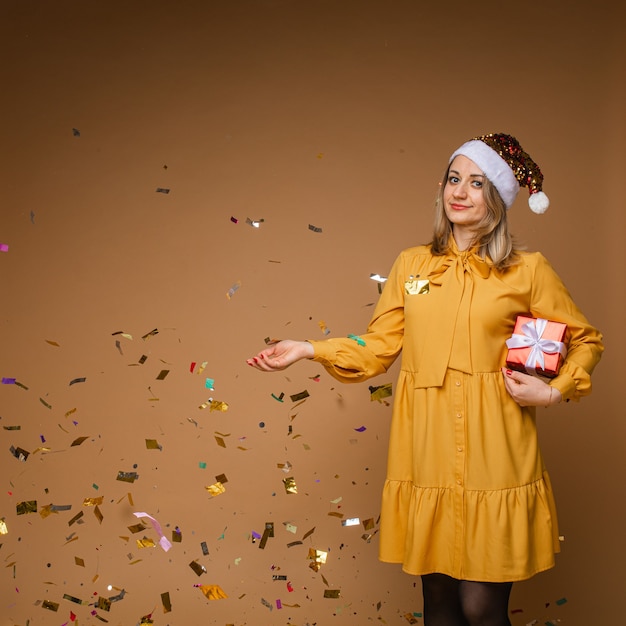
pixel 281 355
pixel 529 390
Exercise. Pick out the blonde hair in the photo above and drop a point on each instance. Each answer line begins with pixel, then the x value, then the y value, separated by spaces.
pixel 492 236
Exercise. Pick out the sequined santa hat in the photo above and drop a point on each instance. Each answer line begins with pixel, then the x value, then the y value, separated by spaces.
pixel 508 167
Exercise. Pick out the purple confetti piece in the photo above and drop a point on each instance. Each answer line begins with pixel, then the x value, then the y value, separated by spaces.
pixel 8 381
pixel 256 535
pixel 360 429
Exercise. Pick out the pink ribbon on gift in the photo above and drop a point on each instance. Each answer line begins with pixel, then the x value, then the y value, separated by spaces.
pixel 532 338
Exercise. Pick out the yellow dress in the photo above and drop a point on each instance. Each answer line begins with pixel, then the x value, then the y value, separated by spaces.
pixel 467 493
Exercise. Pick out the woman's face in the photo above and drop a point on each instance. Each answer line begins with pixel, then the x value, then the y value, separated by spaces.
pixel 463 198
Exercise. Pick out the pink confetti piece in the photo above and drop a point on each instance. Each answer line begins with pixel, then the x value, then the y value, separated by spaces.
pixel 4 247
pixel 163 541
pixel 279 604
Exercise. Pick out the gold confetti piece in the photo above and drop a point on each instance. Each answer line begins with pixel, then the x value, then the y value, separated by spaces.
pixel 77 380
pixel 4 529
pixel 128 477
pixel 137 528
pixel 28 506
pixel 51 606
pixel 67 596
pixel 317 558
pixel 220 441
pixel 153 444
pixel 53 343
pixel 98 513
pixel 368 524
pixel 315 229
pixel 162 374
pixel 48 406
pixel 335 514
pixel 70 412
pixel 222 434
pixel 46 510
pixel 103 604
pixel 166 602
pixel 323 327
pixel 332 593
pixel 216 405
pixel 216 489
pixel 93 501
pixel 309 533
pixel 221 478
pixel 146 542
pixel 378 393
pixel 337 500
pixel 70 540
pixel 231 292
pixel 135 561
pixel 78 561
pixel 123 334
pixel 291 528
pixel 152 333
pixel 75 518
pixel 213 592
pixel 63 429
pixel 290 485
pixel 197 568
pixel 12 427
pixel 294 543
pixel 299 396
pixel 78 441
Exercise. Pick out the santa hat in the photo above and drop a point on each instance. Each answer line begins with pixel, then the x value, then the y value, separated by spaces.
pixel 508 167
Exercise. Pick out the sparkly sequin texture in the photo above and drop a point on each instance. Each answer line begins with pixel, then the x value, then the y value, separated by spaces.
pixel 526 171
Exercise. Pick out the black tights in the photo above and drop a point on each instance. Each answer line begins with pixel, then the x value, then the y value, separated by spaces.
pixel 452 602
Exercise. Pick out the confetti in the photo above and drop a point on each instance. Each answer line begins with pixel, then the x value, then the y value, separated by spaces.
pixel 299 396
pixel 162 374
pixel 51 606
pixel 209 383
pixel 28 506
pixel 78 441
pixel 166 602
pixel 75 132
pixel 78 561
pixel 380 392
pixel 234 220
pixel 352 521
pixel 127 477
pixel 213 592
pixel 153 444
pixel 4 247
pixel 93 501
pixel 358 339
pixel 231 292
pixel 197 568
pixel 19 453
pixel 378 278
pixel 332 593
pixel 152 333
pixel 278 398
pixel 216 489
pixel 163 542
pixel 290 485
pixel 164 190
pixel 315 229
pixel 254 223
pixel 77 380
pixel 361 429
pixel 8 381
pixel 4 529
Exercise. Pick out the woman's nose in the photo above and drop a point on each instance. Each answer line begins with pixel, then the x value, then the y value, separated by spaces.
pixel 460 191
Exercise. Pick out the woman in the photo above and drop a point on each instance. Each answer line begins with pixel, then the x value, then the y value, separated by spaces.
pixel 467 503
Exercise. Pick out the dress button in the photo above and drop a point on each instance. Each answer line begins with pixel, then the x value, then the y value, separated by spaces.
pixel 460 449
pixel 458 383
pixel 459 415
pixel 459 481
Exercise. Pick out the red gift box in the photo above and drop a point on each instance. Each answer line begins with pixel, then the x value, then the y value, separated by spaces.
pixel 537 346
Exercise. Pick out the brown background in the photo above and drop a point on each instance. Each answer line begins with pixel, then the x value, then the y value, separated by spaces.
pixel 336 114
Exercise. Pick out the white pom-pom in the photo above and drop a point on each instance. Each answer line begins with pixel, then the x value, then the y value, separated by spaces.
pixel 538 202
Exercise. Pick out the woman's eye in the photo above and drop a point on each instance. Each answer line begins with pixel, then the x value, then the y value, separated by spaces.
pixel 453 179
pixel 477 183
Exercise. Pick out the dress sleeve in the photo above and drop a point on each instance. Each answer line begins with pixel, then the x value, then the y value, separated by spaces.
pixel 551 300
pixel 351 360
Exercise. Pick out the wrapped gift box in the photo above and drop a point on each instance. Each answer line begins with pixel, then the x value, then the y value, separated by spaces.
pixel 537 346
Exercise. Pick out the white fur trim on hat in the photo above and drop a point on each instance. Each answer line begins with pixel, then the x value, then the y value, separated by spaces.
pixel 496 169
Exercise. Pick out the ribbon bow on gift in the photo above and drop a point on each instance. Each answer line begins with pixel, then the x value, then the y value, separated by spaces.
pixel 532 338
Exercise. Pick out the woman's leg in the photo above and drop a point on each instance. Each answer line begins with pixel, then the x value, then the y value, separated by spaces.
pixel 442 601
pixel 485 604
